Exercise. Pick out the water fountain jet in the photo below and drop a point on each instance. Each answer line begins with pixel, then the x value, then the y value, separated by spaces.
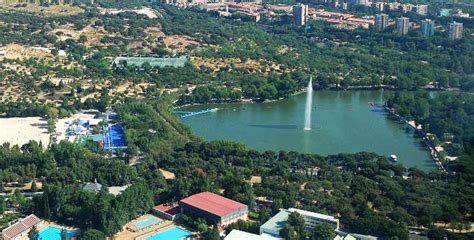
pixel 309 105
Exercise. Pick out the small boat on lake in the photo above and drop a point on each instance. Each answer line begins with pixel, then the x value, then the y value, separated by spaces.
pixel 394 158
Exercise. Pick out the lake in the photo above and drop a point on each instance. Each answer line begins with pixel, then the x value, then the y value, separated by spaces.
pixel 342 122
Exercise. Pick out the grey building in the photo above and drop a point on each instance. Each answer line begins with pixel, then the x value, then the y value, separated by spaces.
pixel 275 224
pixel 427 27
pixel 300 12
pixel 94 187
pixel 403 25
pixel 455 30
pixel 381 21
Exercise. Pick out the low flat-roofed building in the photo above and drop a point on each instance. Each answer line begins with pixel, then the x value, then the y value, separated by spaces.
pixel 312 219
pixel 275 224
pixel 20 229
pixel 214 208
pixel 241 235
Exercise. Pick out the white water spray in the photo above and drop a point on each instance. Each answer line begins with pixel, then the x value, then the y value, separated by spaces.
pixel 309 105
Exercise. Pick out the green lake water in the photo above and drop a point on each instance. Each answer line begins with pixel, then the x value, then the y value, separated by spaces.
pixel 342 122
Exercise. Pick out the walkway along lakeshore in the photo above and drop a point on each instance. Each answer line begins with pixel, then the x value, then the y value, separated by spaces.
pixel 434 154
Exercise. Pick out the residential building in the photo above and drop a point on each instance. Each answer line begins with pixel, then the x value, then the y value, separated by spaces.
pixel 393 5
pixel 406 7
pixel 20 229
pixel 300 12
pixel 275 224
pixel 214 208
pixel 381 21
pixel 359 2
pixel 455 30
pixel 403 25
pixel 460 13
pixel 427 27
pixel 421 9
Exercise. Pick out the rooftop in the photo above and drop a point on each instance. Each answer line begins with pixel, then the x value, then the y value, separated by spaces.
pixel 169 208
pixel 277 222
pixel 241 235
pixel 92 186
pixel 213 203
pixel 22 226
pixel 313 214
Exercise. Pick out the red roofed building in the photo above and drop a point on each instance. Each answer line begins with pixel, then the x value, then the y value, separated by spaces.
pixel 214 208
pixel 168 211
pixel 21 228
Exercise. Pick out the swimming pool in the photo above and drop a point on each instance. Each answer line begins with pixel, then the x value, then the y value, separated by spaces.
pixel 147 222
pixel 114 137
pixel 175 233
pixel 54 233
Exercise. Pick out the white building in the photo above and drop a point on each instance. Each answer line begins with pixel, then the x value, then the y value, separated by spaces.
pixel 312 219
pixel 241 235
pixel 275 224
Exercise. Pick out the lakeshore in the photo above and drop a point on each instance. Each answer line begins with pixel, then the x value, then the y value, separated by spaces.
pixel 433 152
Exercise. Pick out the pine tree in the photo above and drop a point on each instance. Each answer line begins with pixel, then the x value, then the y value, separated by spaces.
pixel 46 207
pixel 34 188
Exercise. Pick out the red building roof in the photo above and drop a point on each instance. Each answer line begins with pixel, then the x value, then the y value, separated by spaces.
pixel 213 203
pixel 169 208
pixel 20 227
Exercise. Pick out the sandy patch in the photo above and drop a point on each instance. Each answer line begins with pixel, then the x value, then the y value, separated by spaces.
pixel 178 44
pixel 154 32
pixel 19 131
pixel 150 13
pixel 61 9
pixel 23 187
pixel 256 180
pixel 167 174
pixel 16 51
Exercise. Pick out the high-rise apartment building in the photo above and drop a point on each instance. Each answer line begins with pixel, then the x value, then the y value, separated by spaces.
pixel 455 30
pixel 381 21
pixel 403 25
pixel 300 12
pixel 427 27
